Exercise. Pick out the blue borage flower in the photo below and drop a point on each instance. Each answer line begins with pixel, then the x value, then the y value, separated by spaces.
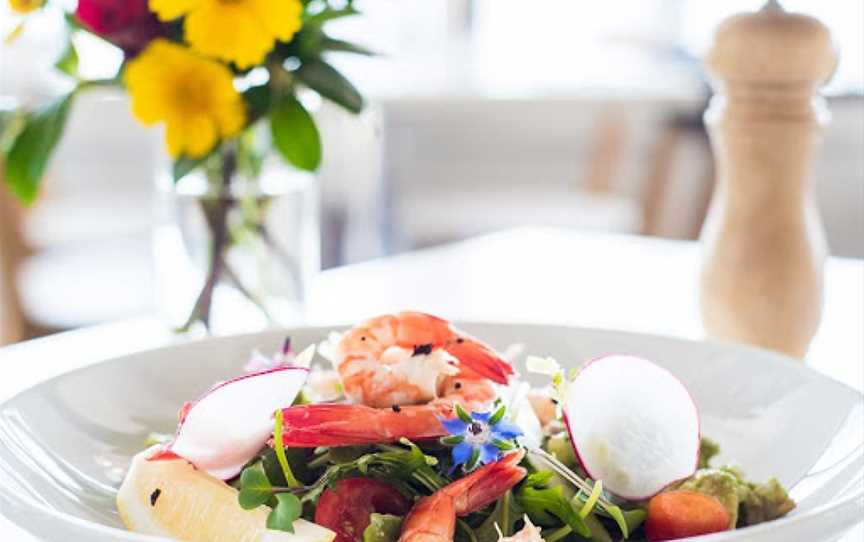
pixel 480 437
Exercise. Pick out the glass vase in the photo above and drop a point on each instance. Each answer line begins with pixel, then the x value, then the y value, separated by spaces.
pixel 236 253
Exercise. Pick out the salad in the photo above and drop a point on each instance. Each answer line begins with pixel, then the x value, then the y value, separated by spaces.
pixel 419 432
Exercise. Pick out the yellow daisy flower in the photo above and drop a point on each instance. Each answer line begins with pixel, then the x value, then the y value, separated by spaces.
pixel 239 31
pixel 193 96
pixel 25 6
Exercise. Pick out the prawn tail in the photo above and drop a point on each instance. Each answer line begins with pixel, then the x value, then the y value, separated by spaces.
pixel 481 359
pixel 487 484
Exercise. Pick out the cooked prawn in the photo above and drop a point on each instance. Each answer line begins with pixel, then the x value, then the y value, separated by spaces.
pixel 401 358
pixel 404 372
pixel 433 518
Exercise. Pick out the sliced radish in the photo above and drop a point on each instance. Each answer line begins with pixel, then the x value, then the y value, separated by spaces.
pixel 632 424
pixel 228 425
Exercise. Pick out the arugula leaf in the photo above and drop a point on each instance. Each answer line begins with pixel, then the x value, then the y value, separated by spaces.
pixel 382 528
pixel 33 147
pixel 287 510
pixel 404 469
pixel 255 488
pixel 544 505
pixel 505 515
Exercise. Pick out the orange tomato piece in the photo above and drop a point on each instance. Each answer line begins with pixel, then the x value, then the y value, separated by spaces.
pixel 679 514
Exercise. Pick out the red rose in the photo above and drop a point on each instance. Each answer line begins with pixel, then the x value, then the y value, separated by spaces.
pixel 129 24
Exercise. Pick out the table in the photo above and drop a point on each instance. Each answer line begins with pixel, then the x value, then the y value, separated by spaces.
pixel 536 275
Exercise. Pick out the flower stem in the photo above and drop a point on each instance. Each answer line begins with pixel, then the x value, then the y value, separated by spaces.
pixel 217 219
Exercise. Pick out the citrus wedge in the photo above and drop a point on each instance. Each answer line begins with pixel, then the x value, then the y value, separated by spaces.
pixel 173 499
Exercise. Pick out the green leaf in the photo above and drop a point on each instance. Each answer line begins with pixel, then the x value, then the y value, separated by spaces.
pixel 287 511
pixel 32 149
pixel 383 528
pixel 627 520
pixel 545 506
pixel 328 15
pixel 255 488
pixel 504 516
pixel 257 100
pixel 295 134
pixel 452 440
pixel 185 165
pixel 68 61
pixel 12 123
pixel 329 83
pixel 332 44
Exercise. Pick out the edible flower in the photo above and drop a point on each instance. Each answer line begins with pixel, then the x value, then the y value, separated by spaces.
pixel 480 437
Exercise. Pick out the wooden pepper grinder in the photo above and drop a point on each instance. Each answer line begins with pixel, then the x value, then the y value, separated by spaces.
pixel 764 245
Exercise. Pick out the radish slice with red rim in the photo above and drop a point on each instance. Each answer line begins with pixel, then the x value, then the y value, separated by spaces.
pixel 633 425
pixel 227 426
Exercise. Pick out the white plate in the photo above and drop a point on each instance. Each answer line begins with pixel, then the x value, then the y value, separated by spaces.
pixel 64 444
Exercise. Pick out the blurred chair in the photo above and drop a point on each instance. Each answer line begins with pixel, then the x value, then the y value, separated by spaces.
pixel 459 167
pixel 678 179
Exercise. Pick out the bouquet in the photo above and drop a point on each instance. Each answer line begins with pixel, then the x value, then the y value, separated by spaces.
pixel 216 74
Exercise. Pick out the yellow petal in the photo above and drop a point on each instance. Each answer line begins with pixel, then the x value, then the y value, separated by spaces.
pixel 230 31
pixel 168 10
pixel 175 137
pixel 200 136
pixel 282 18
pixel 194 96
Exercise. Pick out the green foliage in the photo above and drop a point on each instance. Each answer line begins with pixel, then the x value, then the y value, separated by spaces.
pixel 255 488
pixel 184 165
pixel 329 83
pixel 505 515
pixel 341 46
pixel 68 61
pixel 409 470
pixel 546 506
pixel 258 100
pixel 33 147
pixel 328 14
pixel 287 510
pixel 295 134
pixel 382 528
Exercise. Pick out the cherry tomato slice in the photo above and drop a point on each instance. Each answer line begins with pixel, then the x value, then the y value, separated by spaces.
pixel 346 508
